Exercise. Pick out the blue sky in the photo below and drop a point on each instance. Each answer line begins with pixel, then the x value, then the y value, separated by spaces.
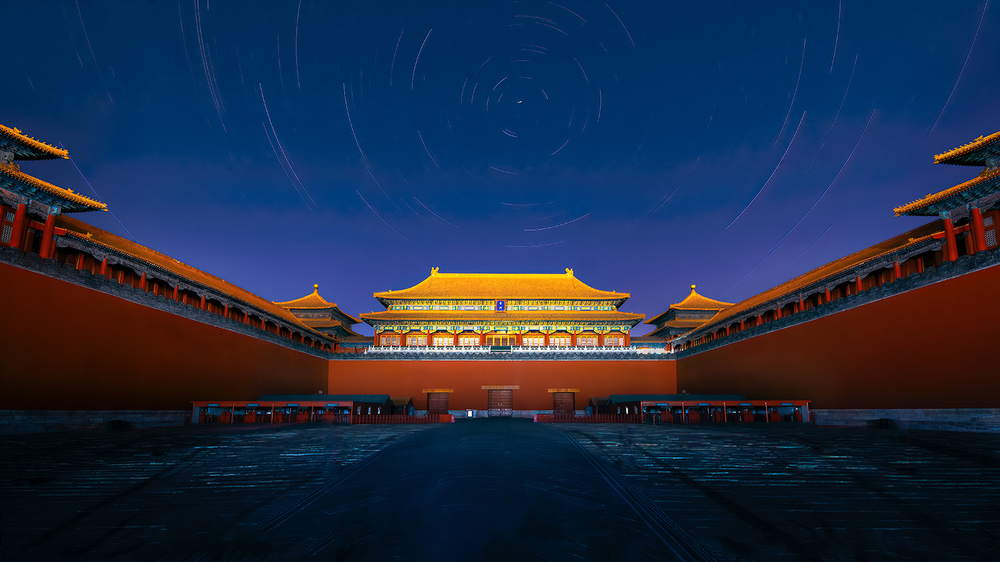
pixel 648 146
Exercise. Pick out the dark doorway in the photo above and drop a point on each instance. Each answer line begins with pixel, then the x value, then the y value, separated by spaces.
pixel 437 403
pixel 500 403
pixel 564 403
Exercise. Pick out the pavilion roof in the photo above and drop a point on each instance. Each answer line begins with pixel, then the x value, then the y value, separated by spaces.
pixel 693 301
pixel 486 316
pixel 830 272
pixel 325 325
pixel 27 148
pixel 97 237
pixel 314 301
pixel 686 324
pixel 979 187
pixel 12 178
pixel 984 151
pixel 502 286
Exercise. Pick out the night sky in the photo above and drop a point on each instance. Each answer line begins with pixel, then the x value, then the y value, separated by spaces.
pixel 646 145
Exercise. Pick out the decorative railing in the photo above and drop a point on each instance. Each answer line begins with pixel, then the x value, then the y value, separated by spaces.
pixel 513 349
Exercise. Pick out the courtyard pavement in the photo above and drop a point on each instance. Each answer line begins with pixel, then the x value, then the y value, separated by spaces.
pixel 500 490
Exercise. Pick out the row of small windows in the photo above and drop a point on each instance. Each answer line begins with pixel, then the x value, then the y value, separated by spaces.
pixel 475 340
pixel 492 306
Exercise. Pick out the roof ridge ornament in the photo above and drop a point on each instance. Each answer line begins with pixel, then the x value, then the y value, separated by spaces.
pixel 434 270
pixel 569 271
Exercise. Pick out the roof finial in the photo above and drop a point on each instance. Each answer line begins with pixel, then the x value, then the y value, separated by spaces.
pixel 315 287
pixel 692 288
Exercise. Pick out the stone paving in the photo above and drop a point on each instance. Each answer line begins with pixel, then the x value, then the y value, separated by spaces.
pixel 500 490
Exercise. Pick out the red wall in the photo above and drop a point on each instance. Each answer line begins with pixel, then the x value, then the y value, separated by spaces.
pixel 67 347
pixel 932 347
pixel 593 378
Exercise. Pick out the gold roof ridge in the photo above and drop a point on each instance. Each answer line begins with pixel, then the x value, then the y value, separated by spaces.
pixel 16 135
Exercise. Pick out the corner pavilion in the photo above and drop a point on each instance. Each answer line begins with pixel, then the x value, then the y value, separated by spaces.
pixel 501 309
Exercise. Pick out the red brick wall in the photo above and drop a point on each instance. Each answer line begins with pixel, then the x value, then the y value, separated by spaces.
pixel 593 378
pixel 68 347
pixel 932 347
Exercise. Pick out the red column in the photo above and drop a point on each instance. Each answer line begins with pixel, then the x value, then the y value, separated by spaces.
pixel 104 267
pixel 225 311
pixel 858 285
pixel 628 339
pixel 826 296
pixel 246 317
pixel 176 287
pixel 79 261
pixel 20 219
pixel 50 227
pixel 777 313
pixel 454 340
pixel 600 340
pixel 920 264
pixel 978 230
pixel 897 273
pixel 482 340
pixel 572 340
pixel 545 339
pixel 142 281
pixel 202 304
pixel 951 247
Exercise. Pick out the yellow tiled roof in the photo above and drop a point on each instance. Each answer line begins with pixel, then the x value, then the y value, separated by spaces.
pixel 13 172
pixel 312 300
pixel 44 150
pixel 932 198
pixel 466 316
pixel 694 301
pixel 914 237
pixel 501 286
pixel 966 149
pixel 93 235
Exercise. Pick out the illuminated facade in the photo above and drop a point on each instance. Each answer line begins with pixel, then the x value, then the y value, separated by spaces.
pixel 900 324
pixel 449 310
pixel 28 205
pixel 967 225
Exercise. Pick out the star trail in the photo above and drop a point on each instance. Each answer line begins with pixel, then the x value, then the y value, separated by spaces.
pixel 646 146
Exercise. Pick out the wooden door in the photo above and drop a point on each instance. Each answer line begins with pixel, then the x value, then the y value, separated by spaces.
pixel 500 403
pixel 564 403
pixel 437 403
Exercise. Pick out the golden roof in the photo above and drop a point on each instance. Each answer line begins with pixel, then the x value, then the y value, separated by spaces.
pixel 489 286
pixel 40 150
pixel 532 317
pixel 14 173
pixel 879 251
pixel 693 301
pixel 991 176
pixel 954 156
pixel 314 301
pixel 97 237
pixel 686 324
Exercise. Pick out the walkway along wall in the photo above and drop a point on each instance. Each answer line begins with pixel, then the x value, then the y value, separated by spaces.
pixel 67 347
pixel 534 379
pixel 931 347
